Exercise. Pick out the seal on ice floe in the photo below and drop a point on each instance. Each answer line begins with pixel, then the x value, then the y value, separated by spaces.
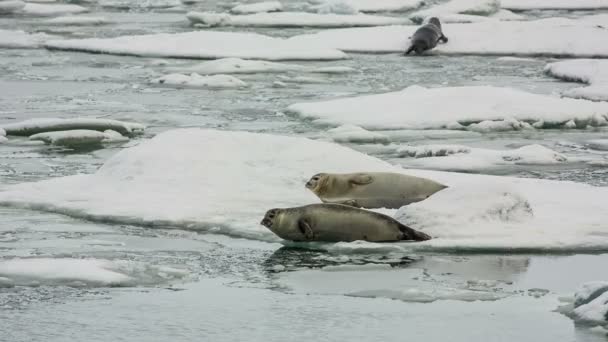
pixel 372 189
pixel 335 223
pixel 426 37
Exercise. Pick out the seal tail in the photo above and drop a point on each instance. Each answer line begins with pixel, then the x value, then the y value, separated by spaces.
pixel 413 234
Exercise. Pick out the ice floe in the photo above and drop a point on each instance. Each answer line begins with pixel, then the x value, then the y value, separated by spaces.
pixel 590 71
pixel 11 6
pixel 335 7
pixel 51 9
pixel 34 126
pixel 559 37
pixel 200 44
pixel 258 7
pixel 78 137
pixel 292 19
pixel 139 4
pixel 83 272
pixel 495 109
pixel 376 5
pixel 22 40
pixel 591 304
pixel 3 138
pixel 472 7
pixel 356 134
pixel 526 5
pixel 195 80
pixel 598 144
pixel 76 21
pixel 182 179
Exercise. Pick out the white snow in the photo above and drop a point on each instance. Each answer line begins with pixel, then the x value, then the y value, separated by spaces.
pixel 525 5
pixel 11 6
pixel 590 71
pixel 379 5
pixel 292 19
pixel 591 303
pixel 77 137
pixel 201 44
pixel 195 80
pixel 76 21
pixel 463 158
pixel 52 9
pixel 258 7
pixel 22 40
pixel 493 109
pixel 598 144
pixel 225 181
pixel 559 37
pixel 33 126
pixel 356 134
pixel 473 7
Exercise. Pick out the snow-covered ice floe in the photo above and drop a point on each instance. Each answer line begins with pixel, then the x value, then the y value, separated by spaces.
pixel 591 71
pixel 22 40
pixel 11 6
pixel 34 126
pixel 257 7
pixel 292 19
pixel 76 21
pixel 181 178
pixel 526 5
pixel 375 5
pixel 471 7
pixel 139 4
pixel 43 10
pixel 78 137
pixel 558 37
pixel 463 158
pixel 494 109
pixel 83 272
pixel 244 66
pixel 195 80
pixel 200 44
pixel 590 305
pixel 2 136
pixel 356 134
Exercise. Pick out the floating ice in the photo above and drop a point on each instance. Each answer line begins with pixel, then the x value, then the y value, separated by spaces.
pixel 473 7
pixel 77 137
pixel 590 71
pixel 380 5
pixel 201 44
pixel 195 80
pixel 43 10
pixel 11 6
pixel 139 4
pixel 356 134
pixel 526 5
pixel 494 108
pixel 292 19
pixel 258 7
pixel 3 139
pixel 559 37
pixel 182 178
pixel 336 7
pixel 598 144
pixel 22 40
pixel 591 304
pixel 76 21
pixel 33 126
pixel 452 18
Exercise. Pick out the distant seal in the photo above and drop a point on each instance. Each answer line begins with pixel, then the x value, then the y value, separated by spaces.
pixel 335 223
pixel 372 189
pixel 426 37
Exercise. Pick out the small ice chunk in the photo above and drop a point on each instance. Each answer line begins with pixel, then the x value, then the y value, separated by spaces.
pixel 139 4
pixel 598 144
pixel 487 126
pixel 76 21
pixel 591 303
pixel 336 7
pixel 22 40
pixel 195 80
pixel 3 139
pixel 43 10
pixel 425 151
pixel 258 7
pixel 2 132
pixel 473 7
pixel 78 137
pixel 356 134
pixel 114 137
pixel 589 292
pixel 590 71
pixel 239 66
pixel 33 126
pixel 377 6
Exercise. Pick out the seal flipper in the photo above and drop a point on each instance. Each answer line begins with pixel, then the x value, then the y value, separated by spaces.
pixel 409 50
pixel 306 230
pixel 412 234
pixel 362 179
pixel 443 39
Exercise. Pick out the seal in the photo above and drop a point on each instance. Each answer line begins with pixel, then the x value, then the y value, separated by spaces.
pixel 372 189
pixel 336 223
pixel 426 37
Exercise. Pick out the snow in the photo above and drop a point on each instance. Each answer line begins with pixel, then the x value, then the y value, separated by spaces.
pixel 591 303
pixel 258 7
pixel 335 7
pixel 42 10
pixel 77 137
pixel 223 182
pixel 590 71
pixel 598 144
pixel 463 158
pixel 291 19
pixel 557 37
pixel 33 126
pixel 3 139
pixel 473 7
pixel 244 66
pixel 76 21
pixel 139 4
pixel 356 134
pixel 201 44
pixel 195 80
pixel 494 109
pixel 22 40
pixel 526 5
pixel 11 6
pixel 378 5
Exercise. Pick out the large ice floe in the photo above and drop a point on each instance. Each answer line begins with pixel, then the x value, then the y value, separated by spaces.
pixel 200 44
pixel 495 109
pixel 181 178
pixel 559 37
pixel 22 40
pixel 76 21
pixel 591 71
pixel 83 272
pixel 195 80
pixel 374 5
pixel 11 6
pixel 34 126
pixel 43 10
pixel 257 7
pixel 590 305
pixel 472 7
pixel 292 19
pixel 526 5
